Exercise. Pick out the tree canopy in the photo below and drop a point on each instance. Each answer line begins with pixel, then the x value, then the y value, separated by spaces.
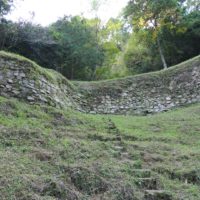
pixel 150 35
pixel 164 28
pixel 5 6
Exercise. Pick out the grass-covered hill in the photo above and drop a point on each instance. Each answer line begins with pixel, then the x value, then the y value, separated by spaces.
pixel 49 154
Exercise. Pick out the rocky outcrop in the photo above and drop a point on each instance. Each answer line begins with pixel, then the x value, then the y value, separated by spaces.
pixel 142 94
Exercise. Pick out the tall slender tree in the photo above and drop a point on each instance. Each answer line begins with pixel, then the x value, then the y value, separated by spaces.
pixel 152 15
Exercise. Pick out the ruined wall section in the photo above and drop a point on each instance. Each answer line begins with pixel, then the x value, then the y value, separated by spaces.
pixel 147 93
pixel 23 79
pixel 142 94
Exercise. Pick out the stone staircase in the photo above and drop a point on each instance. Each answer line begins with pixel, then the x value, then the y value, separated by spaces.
pixel 144 179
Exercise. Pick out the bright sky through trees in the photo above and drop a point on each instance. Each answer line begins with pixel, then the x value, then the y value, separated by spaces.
pixel 48 11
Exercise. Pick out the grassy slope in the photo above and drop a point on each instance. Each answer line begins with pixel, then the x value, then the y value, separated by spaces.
pixel 118 83
pixel 49 154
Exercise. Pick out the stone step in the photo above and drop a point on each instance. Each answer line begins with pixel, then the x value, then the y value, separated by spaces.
pixel 119 143
pixel 118 148
pixel 141 173
pixel 128 161
pixel 146 183
pixel 133 164
pixel 157 195
pixel 119 138
pixel 125 154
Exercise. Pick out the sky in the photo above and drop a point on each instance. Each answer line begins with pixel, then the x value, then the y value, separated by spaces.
pixel 48 11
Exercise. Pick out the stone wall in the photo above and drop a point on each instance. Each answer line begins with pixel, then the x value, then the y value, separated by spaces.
pixel 23 79
pixel 143 94
pixel 147 93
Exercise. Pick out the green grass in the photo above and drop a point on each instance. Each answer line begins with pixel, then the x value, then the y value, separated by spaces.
pixel 46 153
pixel 120 83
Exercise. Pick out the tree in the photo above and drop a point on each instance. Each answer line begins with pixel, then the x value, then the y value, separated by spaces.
pixel 96 22
pixel 5 6
pixel 8 34
pixel 181 42
pixel 137 54
pixel 68 46
pixel 112 37
pixel 36 43
pixel 79 51
pixel 95 6
pixel 193 5
pixel 152 15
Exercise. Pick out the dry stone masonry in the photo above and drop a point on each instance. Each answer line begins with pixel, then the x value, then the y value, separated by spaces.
pixel 147 93
pixel 25 80
pixel 143 94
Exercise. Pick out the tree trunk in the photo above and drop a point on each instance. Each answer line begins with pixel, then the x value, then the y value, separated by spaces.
pixel 72 73
pixel 161 54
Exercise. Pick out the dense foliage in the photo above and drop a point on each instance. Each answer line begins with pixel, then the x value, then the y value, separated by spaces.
pixel 5 6
pixel 150 35
pixel 78 49
pixel 164 33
